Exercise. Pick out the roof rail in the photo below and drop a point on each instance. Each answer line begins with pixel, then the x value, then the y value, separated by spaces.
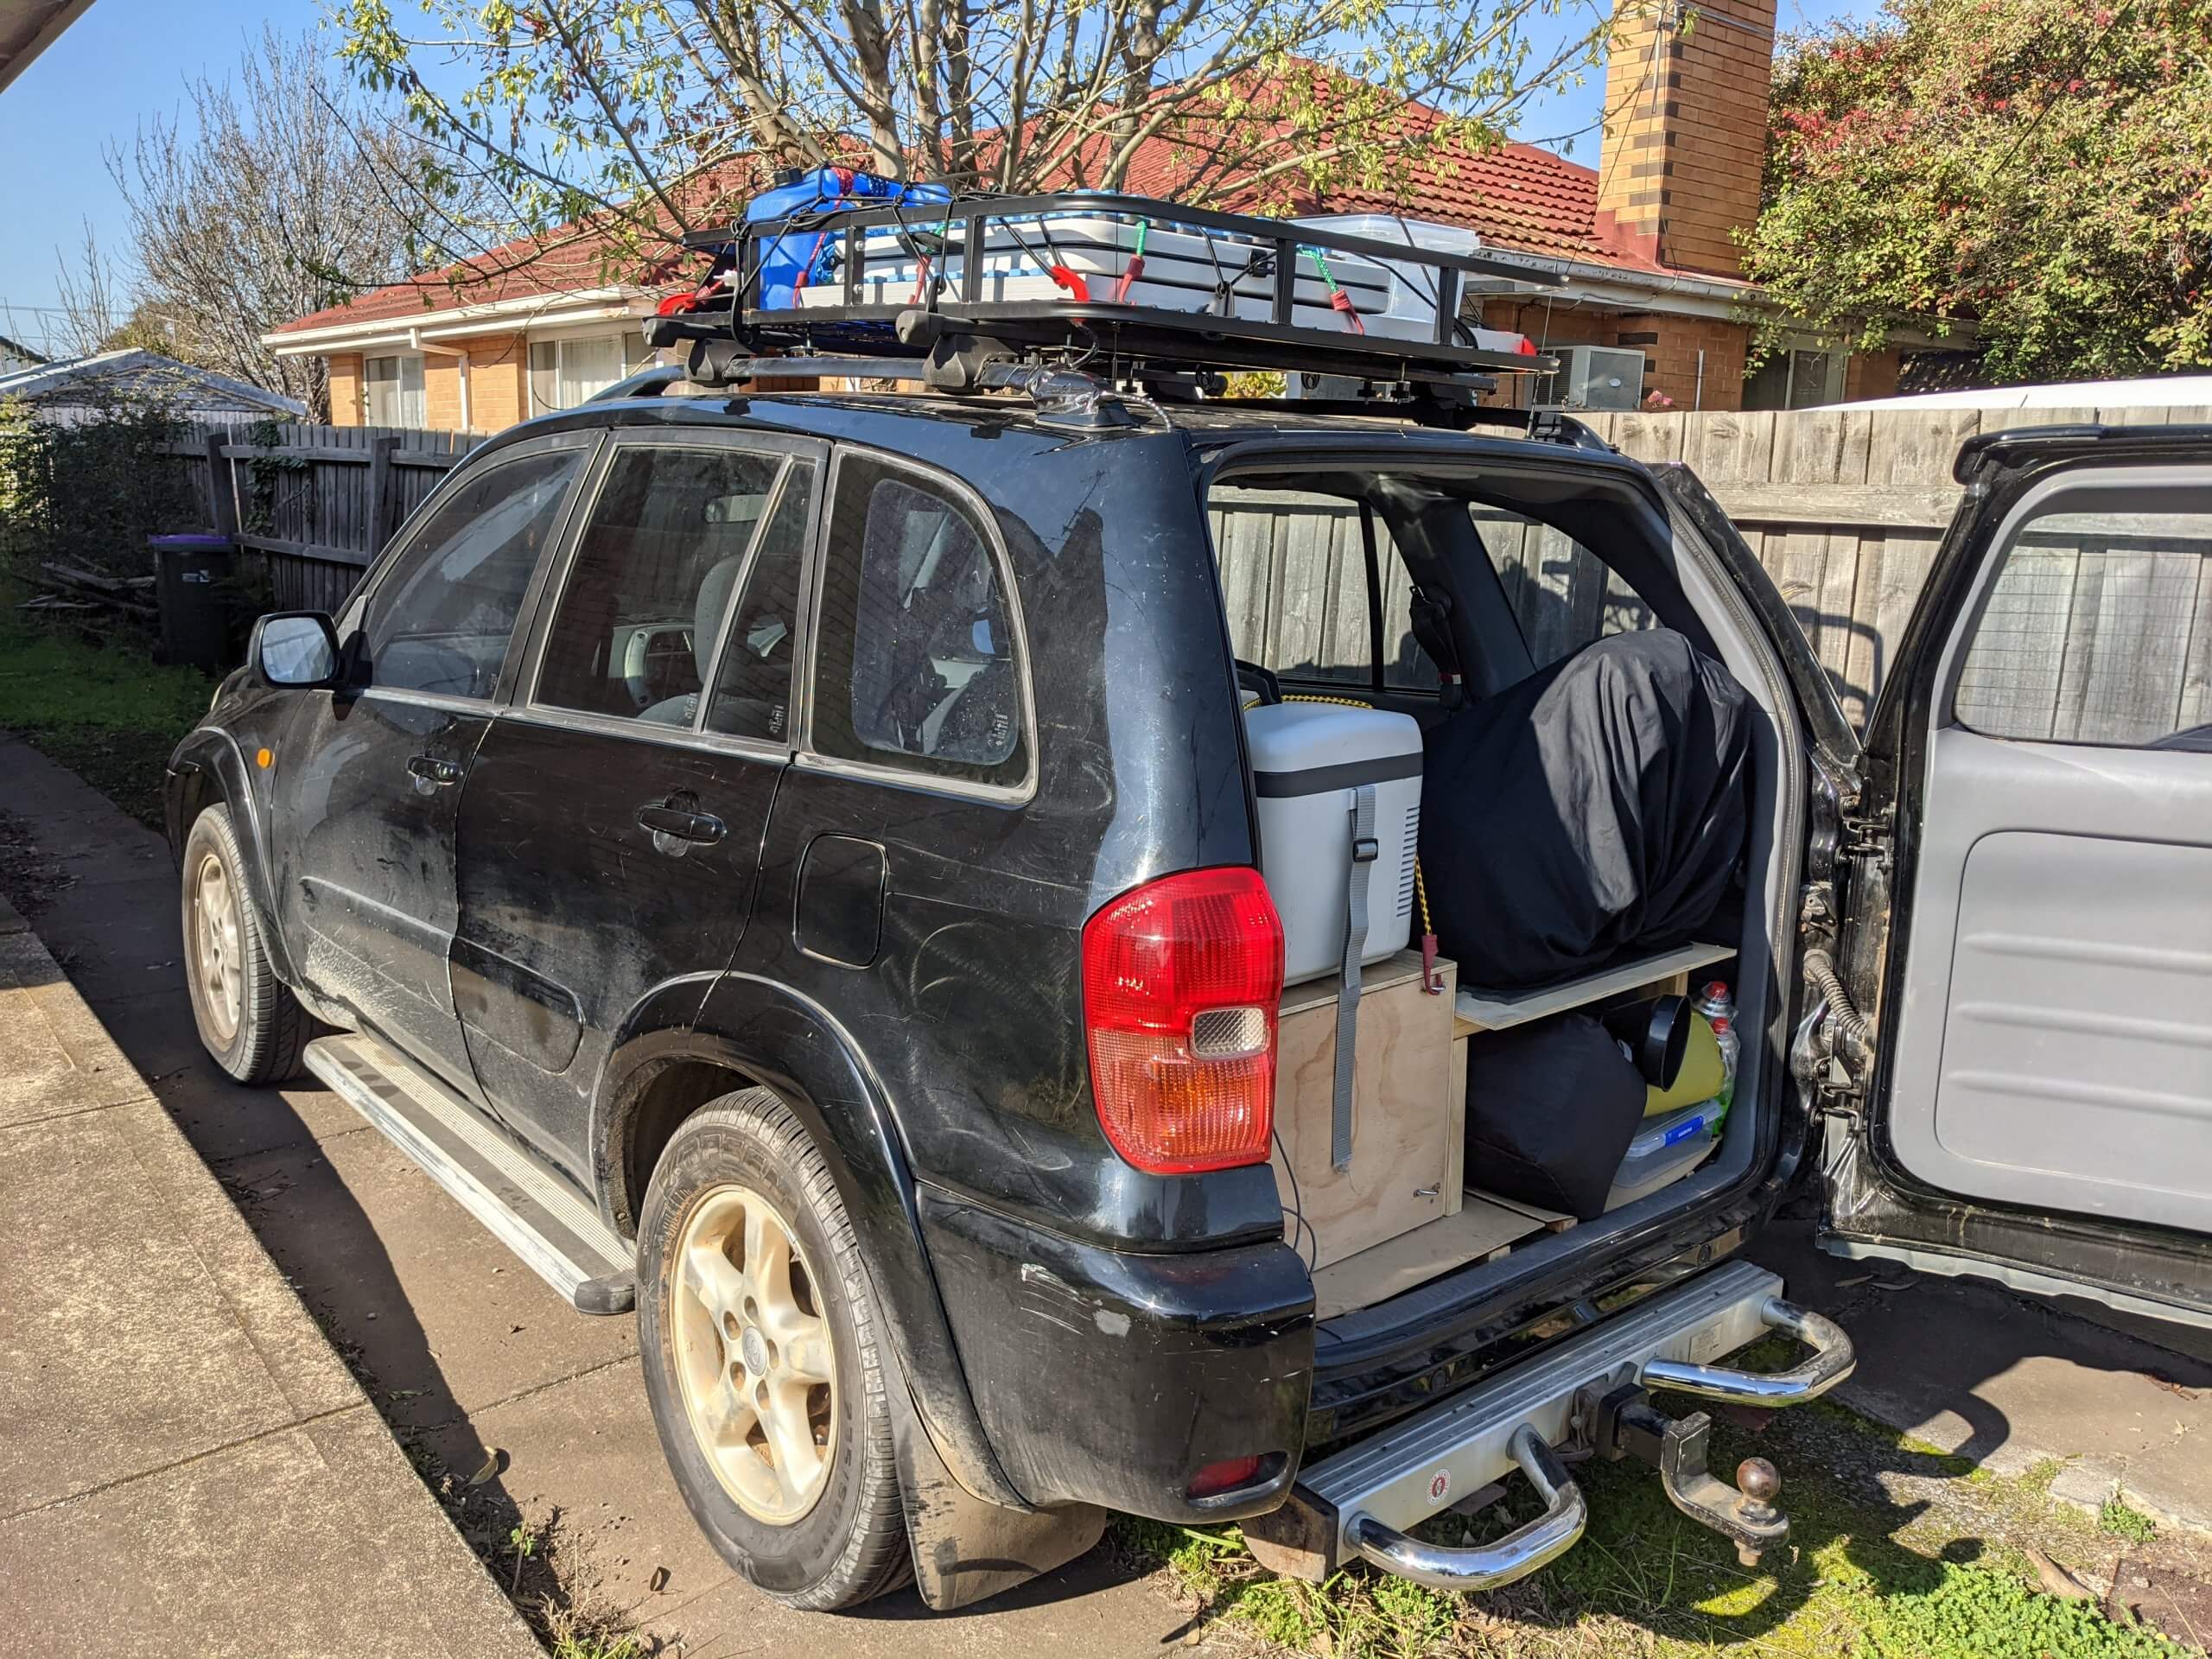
pixel 1248 317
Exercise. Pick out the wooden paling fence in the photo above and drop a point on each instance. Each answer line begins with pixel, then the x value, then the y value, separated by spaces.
pixel 1845 509
pixel 320 502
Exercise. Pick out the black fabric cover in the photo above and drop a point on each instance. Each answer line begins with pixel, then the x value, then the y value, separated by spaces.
pixel 1551 1109
pixel 1595 807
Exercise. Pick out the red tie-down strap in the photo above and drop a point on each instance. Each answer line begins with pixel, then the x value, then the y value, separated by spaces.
pixel 677 304
pixel 1339 301
pixel 1134 270
pixel 806 270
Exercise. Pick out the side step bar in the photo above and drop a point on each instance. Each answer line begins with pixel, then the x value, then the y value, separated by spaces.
pixel 1587 1393
pixel 529 1209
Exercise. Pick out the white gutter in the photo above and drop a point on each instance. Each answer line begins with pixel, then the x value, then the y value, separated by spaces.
pixel 547 310
pixel 1676 292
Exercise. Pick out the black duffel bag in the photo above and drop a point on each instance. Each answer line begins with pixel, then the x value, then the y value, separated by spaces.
pixel 1596 807
pixel 1551 1109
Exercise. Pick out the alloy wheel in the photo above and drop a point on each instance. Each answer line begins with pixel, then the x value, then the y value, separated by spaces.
pixel 217 945
pixel 754 1355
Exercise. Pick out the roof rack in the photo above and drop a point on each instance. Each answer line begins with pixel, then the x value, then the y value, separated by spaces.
pixel 953 325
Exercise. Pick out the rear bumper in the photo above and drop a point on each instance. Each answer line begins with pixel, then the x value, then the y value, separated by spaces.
pixel 1107 1377
pixel 1366 1499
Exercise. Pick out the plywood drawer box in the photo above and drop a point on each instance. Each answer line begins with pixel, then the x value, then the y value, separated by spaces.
pixel 1408 1120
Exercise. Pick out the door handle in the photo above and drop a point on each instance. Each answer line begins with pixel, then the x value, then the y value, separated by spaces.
pixel 430 772
pixel 676 831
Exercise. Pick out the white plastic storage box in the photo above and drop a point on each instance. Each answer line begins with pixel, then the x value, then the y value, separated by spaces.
pixel 1183 270
pixel 1408 307
pixel 1308 758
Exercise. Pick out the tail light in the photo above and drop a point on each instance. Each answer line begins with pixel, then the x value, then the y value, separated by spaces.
pixel 1181 978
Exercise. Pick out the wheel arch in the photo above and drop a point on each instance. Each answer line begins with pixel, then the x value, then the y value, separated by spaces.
pixel 693 1039
pixel 207 769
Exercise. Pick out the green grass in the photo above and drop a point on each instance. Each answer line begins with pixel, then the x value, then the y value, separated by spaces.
pixel 2116 1518
pixel 1898 1552
pixel 105 710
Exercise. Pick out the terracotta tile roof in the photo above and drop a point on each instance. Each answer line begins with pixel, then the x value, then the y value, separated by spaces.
pixel 562 261
pixel 516 270
pixel 1516 196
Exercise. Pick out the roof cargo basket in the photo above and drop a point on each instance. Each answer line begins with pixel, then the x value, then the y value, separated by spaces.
pixel 1121 287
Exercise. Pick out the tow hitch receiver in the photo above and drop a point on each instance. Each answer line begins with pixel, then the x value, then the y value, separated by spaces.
pixel 1589 1395
pixel 1623 1423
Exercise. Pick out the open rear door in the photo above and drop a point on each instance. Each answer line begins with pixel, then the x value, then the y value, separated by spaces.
pixel 2016 1051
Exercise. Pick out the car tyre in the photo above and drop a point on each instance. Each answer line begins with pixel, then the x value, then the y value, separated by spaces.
pixel 760 1340
pixel 249 1020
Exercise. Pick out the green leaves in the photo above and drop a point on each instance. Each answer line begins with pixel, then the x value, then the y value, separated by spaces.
pixel 2039 168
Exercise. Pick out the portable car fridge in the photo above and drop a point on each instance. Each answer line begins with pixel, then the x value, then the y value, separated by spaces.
pixel 1308 761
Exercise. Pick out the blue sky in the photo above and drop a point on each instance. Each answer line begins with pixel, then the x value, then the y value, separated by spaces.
pixel 126 59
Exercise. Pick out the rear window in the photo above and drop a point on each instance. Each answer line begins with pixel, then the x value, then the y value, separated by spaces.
pixel 1302 603
pixel 1563 595
pixel 917 665
pixel 1294 572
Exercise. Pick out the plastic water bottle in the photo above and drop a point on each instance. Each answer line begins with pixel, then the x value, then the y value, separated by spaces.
pixel 1730 1046
pixel 1714 1001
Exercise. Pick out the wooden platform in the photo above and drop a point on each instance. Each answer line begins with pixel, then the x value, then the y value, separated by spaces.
pixel 1481 1010
pixel 1485 1229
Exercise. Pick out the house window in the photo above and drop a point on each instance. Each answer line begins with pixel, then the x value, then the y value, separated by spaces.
pixel 565 372
pixel 395 392
pixel 1797 376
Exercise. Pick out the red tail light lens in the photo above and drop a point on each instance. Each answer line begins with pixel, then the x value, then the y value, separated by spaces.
pixel 1526 349
pixel 1180 982
pixel 1226 1476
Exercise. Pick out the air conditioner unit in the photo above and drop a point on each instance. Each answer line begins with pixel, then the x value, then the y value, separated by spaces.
pixel 1599 377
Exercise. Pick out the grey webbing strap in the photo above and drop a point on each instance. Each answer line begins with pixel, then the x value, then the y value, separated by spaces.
pixel 1364 851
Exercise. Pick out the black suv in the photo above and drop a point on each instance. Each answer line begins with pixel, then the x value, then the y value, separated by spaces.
pixel 763 853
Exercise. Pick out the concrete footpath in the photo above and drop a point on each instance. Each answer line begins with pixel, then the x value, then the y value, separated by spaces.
pixel 470 1359
pixel 186 1466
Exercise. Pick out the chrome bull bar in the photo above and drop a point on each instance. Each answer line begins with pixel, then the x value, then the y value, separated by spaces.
pixel 1588 1393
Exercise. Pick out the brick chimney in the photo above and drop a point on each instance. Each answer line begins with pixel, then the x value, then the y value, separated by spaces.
pixel 1686 102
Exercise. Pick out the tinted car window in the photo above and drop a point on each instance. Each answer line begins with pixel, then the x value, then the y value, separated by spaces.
pixel 441 620
pixel 1563 595
pixel 753 692
pixel 917 662
pixel 2092 632
pixel 659 557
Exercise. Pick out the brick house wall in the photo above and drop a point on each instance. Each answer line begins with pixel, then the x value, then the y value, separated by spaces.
pixel 499 384
pixel 1698 362
pixel 1872 375
pixel 499 380
pixel 346 388
pixel 441 393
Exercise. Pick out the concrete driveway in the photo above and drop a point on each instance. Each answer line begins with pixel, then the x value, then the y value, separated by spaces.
pixel 476 1362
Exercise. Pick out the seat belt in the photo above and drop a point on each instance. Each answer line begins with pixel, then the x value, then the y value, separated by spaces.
pixel 1365 849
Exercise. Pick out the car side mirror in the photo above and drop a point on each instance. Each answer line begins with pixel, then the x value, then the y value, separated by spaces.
pixel 295 648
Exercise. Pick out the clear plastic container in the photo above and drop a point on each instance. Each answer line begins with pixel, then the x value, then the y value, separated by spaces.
pixel 1665 1149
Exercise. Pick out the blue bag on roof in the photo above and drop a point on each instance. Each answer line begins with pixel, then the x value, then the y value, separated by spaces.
pixel 801 257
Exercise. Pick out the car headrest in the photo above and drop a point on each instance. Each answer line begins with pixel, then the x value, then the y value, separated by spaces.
pixel 707 614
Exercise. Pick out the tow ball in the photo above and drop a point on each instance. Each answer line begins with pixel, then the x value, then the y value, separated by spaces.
pixel 1622 1422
